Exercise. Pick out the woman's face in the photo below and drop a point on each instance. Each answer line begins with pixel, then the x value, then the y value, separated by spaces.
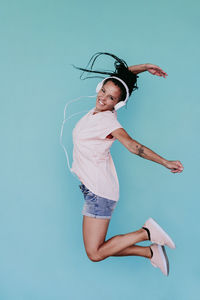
pixel 108 96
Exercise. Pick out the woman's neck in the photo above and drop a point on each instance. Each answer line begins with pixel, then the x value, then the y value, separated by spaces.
pixel 97 111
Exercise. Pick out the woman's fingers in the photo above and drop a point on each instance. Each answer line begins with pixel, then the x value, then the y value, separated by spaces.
pixel 156 70
pixel 178 170
pixel 175 166
pixel 175 171
pixel 162 73
pixel 180 165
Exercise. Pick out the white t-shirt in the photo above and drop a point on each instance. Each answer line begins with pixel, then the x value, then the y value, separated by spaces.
pixel 92 161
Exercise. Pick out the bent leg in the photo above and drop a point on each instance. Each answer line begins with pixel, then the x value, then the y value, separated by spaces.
pixel 94 234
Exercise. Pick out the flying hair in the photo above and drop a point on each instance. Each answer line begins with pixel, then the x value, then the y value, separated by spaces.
pixel 121 71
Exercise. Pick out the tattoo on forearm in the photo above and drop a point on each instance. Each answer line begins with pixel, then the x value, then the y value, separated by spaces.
pixel 140 150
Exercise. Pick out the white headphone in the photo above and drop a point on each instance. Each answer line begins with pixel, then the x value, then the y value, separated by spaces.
pixel 121 103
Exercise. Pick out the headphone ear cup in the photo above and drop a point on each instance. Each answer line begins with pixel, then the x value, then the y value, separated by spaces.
pixel 120 104
pixel 99 86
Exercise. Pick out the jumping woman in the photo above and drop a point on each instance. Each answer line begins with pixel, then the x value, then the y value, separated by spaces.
pixel 93 136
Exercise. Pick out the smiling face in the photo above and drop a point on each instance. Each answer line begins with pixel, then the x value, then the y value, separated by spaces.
pixel 108 96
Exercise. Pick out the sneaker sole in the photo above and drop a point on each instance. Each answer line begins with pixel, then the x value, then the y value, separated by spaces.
pixel 172 246
pixel 164 257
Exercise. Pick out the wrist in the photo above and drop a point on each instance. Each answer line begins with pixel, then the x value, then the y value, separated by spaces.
pixel 165 162
pixel 146 66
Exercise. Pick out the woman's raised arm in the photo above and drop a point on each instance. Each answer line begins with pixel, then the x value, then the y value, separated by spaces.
pixel 134 147
pixel 153 69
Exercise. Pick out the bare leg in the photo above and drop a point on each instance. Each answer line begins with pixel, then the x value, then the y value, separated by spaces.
pixel 122 245
pixel 135 251
pixel 94 233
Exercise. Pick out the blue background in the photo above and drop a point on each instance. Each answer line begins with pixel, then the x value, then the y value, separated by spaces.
pixel 42 254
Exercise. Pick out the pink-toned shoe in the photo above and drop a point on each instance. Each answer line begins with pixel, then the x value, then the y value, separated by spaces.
pixel 157 234
pixel 159 258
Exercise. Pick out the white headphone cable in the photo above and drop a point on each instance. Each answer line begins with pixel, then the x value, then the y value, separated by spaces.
pixel 65 120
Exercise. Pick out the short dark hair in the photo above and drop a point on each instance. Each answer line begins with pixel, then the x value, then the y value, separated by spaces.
pixel 121 71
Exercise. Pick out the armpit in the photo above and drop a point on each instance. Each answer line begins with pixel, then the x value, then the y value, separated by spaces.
pixel 109 136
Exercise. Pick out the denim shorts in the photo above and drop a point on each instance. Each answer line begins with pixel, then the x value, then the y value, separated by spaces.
pixel 96 206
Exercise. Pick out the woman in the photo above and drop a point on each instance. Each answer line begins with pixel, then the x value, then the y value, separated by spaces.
pixel 92 163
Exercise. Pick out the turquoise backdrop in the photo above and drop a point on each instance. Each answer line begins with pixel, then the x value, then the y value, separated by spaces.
pixel 42 256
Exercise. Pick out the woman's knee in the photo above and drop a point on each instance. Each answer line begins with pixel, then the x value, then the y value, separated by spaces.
pixel 94 256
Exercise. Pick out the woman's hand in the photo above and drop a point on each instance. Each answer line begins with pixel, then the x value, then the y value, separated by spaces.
pixel 175 166
pixel 155 70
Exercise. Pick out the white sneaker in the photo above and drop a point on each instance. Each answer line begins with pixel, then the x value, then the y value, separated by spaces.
pixel 159 258
pixel 157 234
